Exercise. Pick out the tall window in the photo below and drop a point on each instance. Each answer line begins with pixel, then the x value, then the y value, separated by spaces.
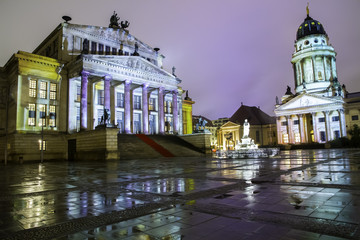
pixel 93 47
pixel 337 134
pixel 101 97
pixel 78 119
pixel 53 91
pixel 322 136
pixel 101 49
pixel 78 93
pixel 297 137
pixel 168 124
pixel 137 123
pixel 168 107
pixel 100 114
pixel 32 114
pixel 42 115
pixel 32 88
pixel 137 102
pixel 52 115
pixel 120 121
pixel 114 51
pixel 107 50
pixel 152 104
pixel 286 138
pixel 43 89
pixel 119 99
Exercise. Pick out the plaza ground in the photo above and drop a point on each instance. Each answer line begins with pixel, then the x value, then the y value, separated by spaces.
pixel 300 194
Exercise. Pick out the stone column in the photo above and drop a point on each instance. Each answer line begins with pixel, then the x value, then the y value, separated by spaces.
pixel 342 123
pixel 333 67
pixel 161 110
pixel 315 127
pixel 324 63
pixel 313 68
pixel 145 108
pixel 107 80
pixel 289 129
pixel 175 111
pixel 327 125
pixel 302 71
pixel 279 134
pixel 127 107
pixel 297 81
pixel 83 105
pixel 301 127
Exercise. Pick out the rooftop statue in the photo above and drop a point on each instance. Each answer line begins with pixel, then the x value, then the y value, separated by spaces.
pixel 114 21
pixel 246 129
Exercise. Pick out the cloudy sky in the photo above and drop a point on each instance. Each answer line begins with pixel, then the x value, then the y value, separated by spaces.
pixel 226 52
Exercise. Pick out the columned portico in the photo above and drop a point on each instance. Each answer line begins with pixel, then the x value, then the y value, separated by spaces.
pixel 83 105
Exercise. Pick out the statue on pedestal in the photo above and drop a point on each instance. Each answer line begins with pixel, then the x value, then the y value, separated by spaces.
pixel 246 129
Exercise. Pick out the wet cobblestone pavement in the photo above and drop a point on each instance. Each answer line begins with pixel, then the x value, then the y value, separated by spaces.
pixel 302 194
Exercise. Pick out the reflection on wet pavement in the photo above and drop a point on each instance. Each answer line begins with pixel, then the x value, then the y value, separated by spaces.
pixel 303 193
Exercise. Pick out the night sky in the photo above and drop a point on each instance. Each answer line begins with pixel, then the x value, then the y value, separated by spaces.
pixel 226 52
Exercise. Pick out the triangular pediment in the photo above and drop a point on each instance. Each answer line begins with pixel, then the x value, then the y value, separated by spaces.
pixel 307 101
pixel 131 62
pixel 229 125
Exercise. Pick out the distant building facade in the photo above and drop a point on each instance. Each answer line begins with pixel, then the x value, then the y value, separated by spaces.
pixel 320 109
pixel 262 128
pixel 81 77
pixel 220 121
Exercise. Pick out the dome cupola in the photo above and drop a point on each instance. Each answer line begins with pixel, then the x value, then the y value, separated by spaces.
pixel 309 27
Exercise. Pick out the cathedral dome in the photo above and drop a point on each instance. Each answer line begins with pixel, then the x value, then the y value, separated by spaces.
pixel 310 27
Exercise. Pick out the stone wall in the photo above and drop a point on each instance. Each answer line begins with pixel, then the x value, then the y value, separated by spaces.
pixel 98 144
pixel 199 140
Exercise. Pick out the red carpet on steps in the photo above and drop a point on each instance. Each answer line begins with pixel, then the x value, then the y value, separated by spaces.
pixel 160 149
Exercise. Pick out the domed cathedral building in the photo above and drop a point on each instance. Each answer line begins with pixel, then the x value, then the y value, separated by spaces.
pixel 315 111
pixel 80 88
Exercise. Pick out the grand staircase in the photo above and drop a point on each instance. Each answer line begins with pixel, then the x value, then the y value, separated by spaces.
pixel 140 146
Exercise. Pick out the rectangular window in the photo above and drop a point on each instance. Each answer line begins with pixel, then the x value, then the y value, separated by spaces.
pixel 53 87
pixel 52 116
pixel 152 104
pixel 354 117
pixel 168 124
pixel 284 123
pixel 107 50
pixel 296 122
pixel 93 47
pixel 100 97
pixel 43 89
pixel 119 99
pixel 32 114
pixel 137 102
pixel 78 93
pixel 114 51
pixel 32 88
pixel 335 118
pixel 322 136
pixel 168 107
pixel 42 115
pixel 43 145
pixel 101 49
pixel 321 120
pixel 337 134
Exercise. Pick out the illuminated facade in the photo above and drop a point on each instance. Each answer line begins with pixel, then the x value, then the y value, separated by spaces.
pixel 77 76
pixel 263 128
pixel 315 112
